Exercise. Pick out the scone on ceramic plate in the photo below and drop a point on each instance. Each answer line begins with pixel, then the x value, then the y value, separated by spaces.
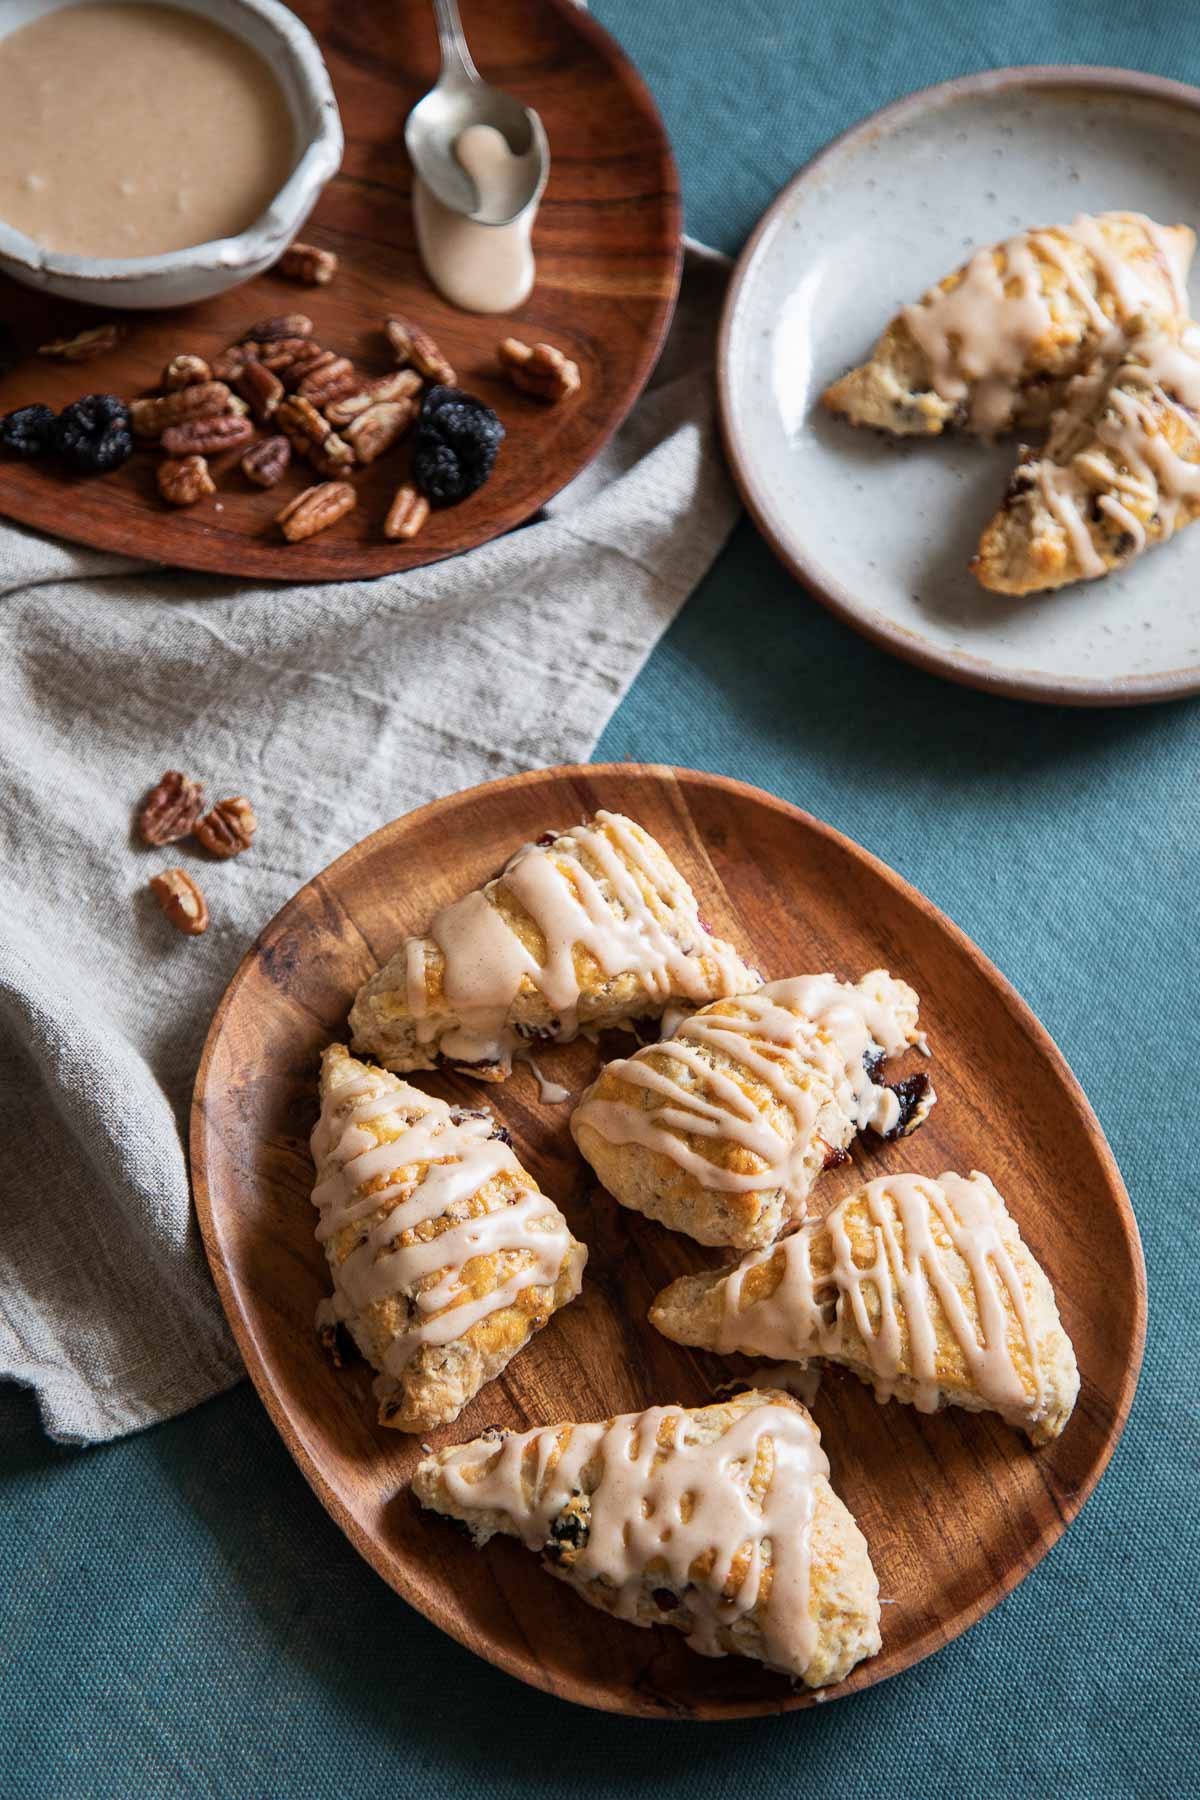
pixel 1120 471
pixel 446 1257
pixel 992 346
pixel 922 1288
pixel 721 1130
pixel 717 1520
pixel 587 929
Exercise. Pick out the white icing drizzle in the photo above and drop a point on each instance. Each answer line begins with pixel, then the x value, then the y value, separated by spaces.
pixel 804 1039
pixel 486 963
pixel 664 1506
pixel 977 336
pixel 550 1093
pixel 433 1169
pixel 814 1314
pixel 1129 453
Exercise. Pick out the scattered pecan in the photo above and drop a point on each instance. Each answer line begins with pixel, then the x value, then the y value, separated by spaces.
pixel 304 363
pixel 228 365
pixel 381 426
pixel 184 371
pixel 315 510
pixel 407 513
pixel 171 809
pixel 412 345
pixel 181 900
pixel 301 422
pixel 182 480
pixel 285 352
pixel 84 345
pixel 334 457
pixel 304 262
pixel 401 384
pixel 207 437
pixel 266 463
pixel 206 400
pixel 281 325
pixel 332 381
pixel 260 387
pixel 229 828
pixel 542 370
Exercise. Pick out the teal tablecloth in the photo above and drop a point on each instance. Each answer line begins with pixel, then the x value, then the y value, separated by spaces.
pixel 178 1616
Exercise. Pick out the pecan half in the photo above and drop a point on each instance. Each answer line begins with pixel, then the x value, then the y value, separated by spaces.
pixel 280 355
pixel 412 345
pixel 315 510
pixel 185 371
pixel 181 900
pixel 182 480
pixel 150 418
pixel 407 513
pixel 171 809
pixel 331 381
pixel 84 345
pixel 302 423
pixel 304 262
pixel 266 463
pixel 229 828
pixel 335 457
pixel 207 437
pixel 280 325
pixel 381 426
pixel 401 384
pixel 541 370
pixel 238 406
pixel 264 390
pixel 304 363
pixel 228 364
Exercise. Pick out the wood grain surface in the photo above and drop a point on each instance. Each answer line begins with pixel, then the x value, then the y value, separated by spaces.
pixel 608 249
pixel 956 1508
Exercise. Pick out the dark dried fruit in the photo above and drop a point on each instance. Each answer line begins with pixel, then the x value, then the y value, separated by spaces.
pixel 28 432
pixel 457 440
pixel 910 1092
pixel 171 809
pixel 93 434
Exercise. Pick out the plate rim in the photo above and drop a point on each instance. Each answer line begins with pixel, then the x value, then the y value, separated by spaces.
pixel 955 665
pixel 320 563
pixel 528 1668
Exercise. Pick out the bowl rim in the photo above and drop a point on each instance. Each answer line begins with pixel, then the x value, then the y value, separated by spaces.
pixel 318 162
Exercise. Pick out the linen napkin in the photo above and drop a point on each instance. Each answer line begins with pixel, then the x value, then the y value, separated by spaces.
pixel 335 708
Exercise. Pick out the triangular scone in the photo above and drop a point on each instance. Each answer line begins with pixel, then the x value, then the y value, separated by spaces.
pixel 1120 472
pixel 993 346
pixel 718 1520
pixel 446 1257
pixel 721 1129
pixel 923 1288
pixel 592 928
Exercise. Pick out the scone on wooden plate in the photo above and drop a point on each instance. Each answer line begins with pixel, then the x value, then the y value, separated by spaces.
pixel 922 1288
pixel 592 928
pixel 1120 471
pixel 993 346
pixel 718 1520
pixel 721 1130
pixel 445 1255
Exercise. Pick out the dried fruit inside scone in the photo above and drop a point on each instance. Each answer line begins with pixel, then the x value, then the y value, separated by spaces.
pixel 589 928
pixel 446 1256
pixel 721 1130
pixel 1120 472
pixel 924 1289
pixel 993 346
pixel 717 1520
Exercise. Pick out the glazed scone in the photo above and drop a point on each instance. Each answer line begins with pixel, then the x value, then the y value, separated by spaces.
pixel 1120 472
pixel 922 1288
pixel 592 928
pixel 718 1520
pixel 993 345
pixel 721 1130
pixel 445 1255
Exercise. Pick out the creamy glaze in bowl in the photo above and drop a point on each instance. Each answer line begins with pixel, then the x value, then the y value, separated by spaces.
pixel 180 277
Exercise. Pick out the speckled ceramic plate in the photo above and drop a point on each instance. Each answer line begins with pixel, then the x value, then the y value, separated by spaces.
pixel 882 530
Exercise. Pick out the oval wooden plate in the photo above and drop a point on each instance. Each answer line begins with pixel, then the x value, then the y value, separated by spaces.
pixel 608 253
pixel 956 1508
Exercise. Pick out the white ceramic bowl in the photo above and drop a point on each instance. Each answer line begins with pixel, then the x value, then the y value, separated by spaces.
pixel 184 276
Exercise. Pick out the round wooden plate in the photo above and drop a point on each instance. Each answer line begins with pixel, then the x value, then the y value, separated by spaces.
pixel 956 1508
pixel 608 253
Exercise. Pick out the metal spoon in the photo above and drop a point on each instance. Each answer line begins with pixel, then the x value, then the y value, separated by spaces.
pixel 460 99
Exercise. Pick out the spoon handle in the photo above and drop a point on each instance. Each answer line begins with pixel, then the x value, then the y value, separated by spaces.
pixel 456 58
